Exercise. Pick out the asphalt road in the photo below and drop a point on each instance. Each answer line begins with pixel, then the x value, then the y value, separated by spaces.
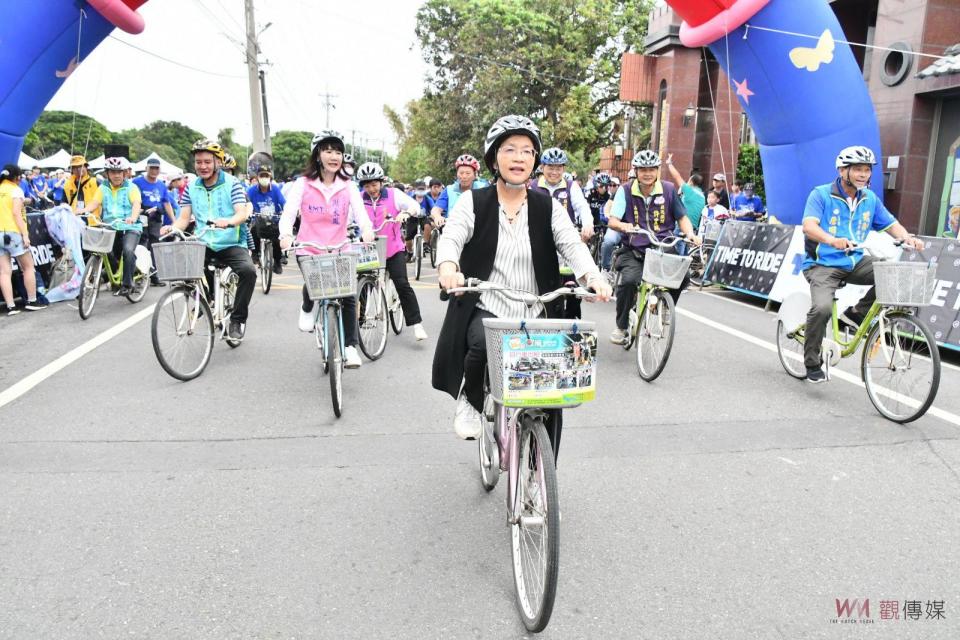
pixel 725 500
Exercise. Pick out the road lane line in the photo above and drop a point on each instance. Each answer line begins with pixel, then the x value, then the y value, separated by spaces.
pixel 947 416
pixel 715 296
pixel 13 392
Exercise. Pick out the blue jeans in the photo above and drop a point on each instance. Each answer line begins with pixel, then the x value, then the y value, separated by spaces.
pixel 610 241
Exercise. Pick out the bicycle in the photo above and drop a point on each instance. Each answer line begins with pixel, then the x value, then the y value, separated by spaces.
pixel 184 327
pixel 329 276
pixel 896 341
pixel 653 322
pixel 532 365
pixel 377 299
pixel 418 246
pixel 435 233
pixel 99 242
pixel 710 231
pixel 266 252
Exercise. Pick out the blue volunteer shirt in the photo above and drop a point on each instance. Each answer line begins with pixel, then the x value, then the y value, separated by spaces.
pixel 272 202
pixel 742 204
pixel 38 185
pixel 446 202
pixel 154 194
pixel 55 188
pixel 842 218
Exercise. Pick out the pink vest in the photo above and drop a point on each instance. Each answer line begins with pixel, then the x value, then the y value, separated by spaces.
pixel 386 208
pixel 324 214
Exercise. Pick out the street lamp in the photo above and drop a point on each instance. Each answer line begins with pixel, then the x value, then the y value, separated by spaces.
pixel 689 114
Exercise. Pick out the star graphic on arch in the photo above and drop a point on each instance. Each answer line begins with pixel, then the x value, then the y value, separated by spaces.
pixel 71 67
pixel 743 91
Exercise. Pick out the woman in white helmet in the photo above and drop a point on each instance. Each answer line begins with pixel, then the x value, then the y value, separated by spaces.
pixel 508 234
pixel 120 202
pixel 837 217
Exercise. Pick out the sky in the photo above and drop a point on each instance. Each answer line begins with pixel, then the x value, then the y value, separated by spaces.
pixel 365 53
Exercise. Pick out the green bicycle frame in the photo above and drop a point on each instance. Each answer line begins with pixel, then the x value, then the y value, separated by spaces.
pixel 847 349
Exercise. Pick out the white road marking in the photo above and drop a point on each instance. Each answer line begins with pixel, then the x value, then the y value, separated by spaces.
pixel 947 416
pixel 718 296
pixel 13 392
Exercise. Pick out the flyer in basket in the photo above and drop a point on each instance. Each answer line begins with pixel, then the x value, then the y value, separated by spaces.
pixel 544 369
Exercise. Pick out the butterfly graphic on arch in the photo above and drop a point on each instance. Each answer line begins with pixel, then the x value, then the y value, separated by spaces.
pixel 810 58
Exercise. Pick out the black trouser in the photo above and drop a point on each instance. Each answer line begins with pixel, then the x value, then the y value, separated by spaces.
pixel 824 282
pixel 151 235
pixel 630 264
pixel 263 230
pixel 348 308
pixel 125 244
pixel 397 267
pixel 238 259
pixel 475 366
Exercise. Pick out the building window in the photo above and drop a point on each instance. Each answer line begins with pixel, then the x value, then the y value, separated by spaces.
pixel 747 135
pixel 950 204
pixel 663 113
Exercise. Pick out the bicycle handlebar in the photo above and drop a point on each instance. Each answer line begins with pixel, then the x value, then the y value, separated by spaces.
pixel 476 285
pixel 665 244
pixel 315 245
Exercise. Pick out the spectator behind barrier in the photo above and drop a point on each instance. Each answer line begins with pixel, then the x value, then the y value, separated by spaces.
pixel 15 241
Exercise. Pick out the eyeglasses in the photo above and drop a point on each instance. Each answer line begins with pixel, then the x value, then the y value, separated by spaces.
pixel 526 153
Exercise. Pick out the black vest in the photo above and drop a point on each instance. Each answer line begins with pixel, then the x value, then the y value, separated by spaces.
pixel 476 261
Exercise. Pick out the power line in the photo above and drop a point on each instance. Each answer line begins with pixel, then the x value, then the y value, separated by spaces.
pixel 749 26
pixel 179 64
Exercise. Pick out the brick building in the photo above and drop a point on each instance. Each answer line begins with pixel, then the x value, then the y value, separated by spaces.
pixel 917 100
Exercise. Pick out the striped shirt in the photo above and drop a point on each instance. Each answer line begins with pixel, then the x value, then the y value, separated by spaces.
pixel 513 264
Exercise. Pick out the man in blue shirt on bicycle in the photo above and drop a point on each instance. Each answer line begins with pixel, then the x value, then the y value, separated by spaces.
pixel 268 202
pixel 838 216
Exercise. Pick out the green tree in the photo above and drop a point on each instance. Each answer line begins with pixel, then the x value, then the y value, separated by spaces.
pixel 291 149
pixel 750 169
pixel 176 136
pixel 561 67
pixel 75 132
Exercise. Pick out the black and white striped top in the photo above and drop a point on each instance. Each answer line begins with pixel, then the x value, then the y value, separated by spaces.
pixel 513 264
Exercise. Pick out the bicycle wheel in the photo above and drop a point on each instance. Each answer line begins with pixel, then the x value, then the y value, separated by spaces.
pixel 334 358
pixel 488 448
pixel 372 319
pixel 141 282
pixel 790 351
pixel 901 367
pixel 395 310
pixel 266 266
pixel 655 337
pixel 90 287
pixel 434 236
pixel 535 536
pixel 229 296
pixel 182 333
pixel 418 252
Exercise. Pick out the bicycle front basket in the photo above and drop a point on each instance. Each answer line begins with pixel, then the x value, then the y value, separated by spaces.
pixel 329 276
pixel 711 230
pixel 368 259
pixel 98 239
pixel 541 363
pixel 180 261
pixel 665 269
pixel 904 284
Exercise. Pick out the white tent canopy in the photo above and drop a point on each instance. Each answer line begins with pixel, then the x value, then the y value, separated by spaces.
pixel 59 160
pixel 26 162
pixel 165 167
pixel 97 163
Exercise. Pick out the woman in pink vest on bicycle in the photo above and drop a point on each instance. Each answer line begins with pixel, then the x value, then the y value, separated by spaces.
pixel 326 201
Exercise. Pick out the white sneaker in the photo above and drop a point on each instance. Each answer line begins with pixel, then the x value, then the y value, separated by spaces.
pixel 618 336
pixel 351 358
pixel 306 320
pixel 419 332
pixel 467 422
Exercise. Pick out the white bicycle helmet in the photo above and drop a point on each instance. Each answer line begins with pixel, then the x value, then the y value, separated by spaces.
pixel 506 127
pixel 646 159
pixel 328 135
pixel 369 171
pixel 114 164
pixel 856 155
pixel 554 155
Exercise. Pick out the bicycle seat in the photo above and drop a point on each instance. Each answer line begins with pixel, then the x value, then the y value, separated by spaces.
pixel 216 263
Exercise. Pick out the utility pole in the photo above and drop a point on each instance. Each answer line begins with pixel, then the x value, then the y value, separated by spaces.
pixel 327 104
pixel 260 142
pixel 266 116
